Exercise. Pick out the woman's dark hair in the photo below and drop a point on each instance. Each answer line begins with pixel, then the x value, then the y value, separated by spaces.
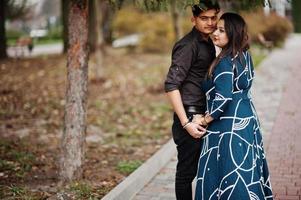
pixel 238 40
pixel 203 6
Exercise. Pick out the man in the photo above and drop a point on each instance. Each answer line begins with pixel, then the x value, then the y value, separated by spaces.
pixel 191 58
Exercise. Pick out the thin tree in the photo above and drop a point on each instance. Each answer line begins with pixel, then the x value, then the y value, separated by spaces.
pixel 3 54
pixel 11 10
pixel 108 10
pixel 92 26
pixel 175 16
pixel 100 6
pixel 296 6
pixel 65 12
pixel 73 139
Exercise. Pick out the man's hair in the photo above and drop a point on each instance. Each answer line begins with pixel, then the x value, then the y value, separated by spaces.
pixel 203 6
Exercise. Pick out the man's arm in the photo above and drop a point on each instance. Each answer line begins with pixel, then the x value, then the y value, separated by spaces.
pixel 193 129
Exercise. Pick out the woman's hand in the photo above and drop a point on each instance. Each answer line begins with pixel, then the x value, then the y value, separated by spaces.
pixel 198 119
pixel 202 120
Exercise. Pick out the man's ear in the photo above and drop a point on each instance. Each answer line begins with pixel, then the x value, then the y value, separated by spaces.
pixel 193 20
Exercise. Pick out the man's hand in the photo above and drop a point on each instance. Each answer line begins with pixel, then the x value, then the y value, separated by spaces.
pixel 195 130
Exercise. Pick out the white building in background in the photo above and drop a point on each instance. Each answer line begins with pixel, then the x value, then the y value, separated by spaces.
pixel 43 13
pixel 281 7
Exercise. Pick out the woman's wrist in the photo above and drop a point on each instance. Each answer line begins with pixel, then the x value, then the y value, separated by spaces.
pixel 204 122
pixel 206 119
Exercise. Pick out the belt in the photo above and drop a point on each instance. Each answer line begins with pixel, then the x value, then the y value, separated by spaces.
pixel 194 109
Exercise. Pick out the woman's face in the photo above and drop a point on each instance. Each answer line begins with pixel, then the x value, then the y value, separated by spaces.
pixel 220 38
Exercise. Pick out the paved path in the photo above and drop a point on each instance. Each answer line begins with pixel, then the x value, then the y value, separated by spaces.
pixel 45 49
pixel 276 93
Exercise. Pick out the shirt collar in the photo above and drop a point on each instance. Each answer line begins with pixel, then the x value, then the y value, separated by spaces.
pixel 200 36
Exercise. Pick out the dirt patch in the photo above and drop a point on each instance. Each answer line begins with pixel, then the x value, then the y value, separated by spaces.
pixel 128 120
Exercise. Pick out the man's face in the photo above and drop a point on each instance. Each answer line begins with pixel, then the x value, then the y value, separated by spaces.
pixel 206 21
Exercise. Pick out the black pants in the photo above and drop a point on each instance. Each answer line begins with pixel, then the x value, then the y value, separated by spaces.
pixel 188 156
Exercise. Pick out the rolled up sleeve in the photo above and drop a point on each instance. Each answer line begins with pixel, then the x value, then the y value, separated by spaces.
pixel 182 58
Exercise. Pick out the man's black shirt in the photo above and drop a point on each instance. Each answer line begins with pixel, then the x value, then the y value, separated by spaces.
pixel 191 58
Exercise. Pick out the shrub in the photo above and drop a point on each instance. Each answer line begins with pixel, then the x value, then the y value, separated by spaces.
pixel 14 34
pixel 127 21
pixel 55 33
pixel 158 35
pixel 273 27
pixel 155 28
pixel 277 29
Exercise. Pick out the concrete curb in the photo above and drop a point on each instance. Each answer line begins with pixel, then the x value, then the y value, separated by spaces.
pixel 130 186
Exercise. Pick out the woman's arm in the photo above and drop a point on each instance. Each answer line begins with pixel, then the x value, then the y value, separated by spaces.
pixel 223 83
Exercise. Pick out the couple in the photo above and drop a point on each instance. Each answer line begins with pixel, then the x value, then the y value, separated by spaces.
pixel 215 126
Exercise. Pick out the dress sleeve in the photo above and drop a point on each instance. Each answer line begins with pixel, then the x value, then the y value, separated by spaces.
pixel 182 57
pixel 223 83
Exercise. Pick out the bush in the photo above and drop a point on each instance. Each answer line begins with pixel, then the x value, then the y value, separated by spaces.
pixel 277 30
pixel 14 34
pixel 158 35
pixel 155 28
pixel 127 21
pixel 55 33
pixel 273 27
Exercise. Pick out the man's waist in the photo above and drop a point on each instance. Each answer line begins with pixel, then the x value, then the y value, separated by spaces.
pixel 194 109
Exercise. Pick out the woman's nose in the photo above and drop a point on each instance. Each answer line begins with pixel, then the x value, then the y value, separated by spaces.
pixel 215 32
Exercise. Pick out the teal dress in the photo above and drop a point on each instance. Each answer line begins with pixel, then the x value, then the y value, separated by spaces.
pixel 232 164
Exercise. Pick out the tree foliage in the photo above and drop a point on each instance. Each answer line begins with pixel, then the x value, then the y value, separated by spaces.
pixel 159 5
pixel 16 8
pixel 296 5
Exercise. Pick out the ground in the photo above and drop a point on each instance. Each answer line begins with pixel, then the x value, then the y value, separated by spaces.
pixel 128 120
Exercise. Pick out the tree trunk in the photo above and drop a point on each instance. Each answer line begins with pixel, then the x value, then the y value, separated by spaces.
pixel 73 139
pixel 175 15
pixel 65 13
pixel 99 51
pixel 105 20
pixel 3 54
pixel 108 13
pixel 296 6
pixel 92 26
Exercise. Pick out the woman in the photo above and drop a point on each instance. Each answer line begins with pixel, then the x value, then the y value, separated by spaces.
pixel 232 164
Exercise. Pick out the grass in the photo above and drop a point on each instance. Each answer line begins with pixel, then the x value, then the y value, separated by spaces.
pixel 48 41
pixel 258 54
pixel 257 59
pixel 12 42
pixel 127 167
pixel 81 190
pixel 17 192
pixel 15 161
